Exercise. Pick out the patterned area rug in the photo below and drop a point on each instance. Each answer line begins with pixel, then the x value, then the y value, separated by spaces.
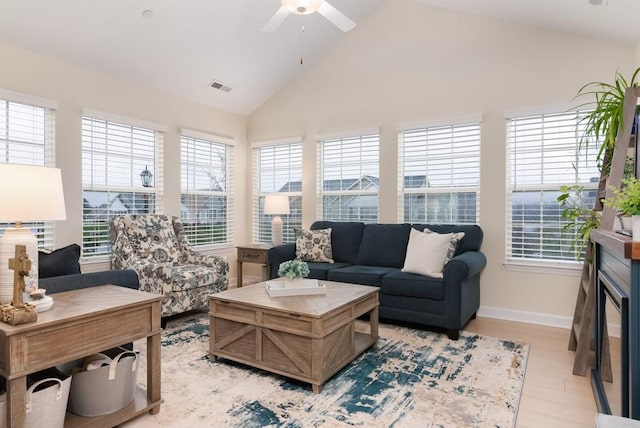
pixel 410 378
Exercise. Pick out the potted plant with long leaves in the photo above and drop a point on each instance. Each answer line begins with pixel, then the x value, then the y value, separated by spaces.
pixel 605 116
pixel 603 119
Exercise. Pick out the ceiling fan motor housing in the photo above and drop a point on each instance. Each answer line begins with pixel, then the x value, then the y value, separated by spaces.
pixel 302 7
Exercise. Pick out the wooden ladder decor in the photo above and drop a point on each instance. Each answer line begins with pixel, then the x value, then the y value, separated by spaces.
pixel 582 337
pixel 582 330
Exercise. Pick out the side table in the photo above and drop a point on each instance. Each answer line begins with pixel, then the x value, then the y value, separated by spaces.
pixel 253 253
pixel 83 322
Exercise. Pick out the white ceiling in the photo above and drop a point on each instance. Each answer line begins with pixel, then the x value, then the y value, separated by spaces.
pixel 188 43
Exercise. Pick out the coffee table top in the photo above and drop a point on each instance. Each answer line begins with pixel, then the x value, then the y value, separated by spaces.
pixel 338 294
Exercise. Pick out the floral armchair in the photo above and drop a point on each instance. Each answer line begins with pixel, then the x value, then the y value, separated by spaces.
pixel 155 246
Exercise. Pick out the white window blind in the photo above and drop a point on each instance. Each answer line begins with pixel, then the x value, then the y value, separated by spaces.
pixel 348 178
pixel 277 169
pixel 440 174
pixel 27 136
pixel 544 153
pixel 113 157
pixel 206 187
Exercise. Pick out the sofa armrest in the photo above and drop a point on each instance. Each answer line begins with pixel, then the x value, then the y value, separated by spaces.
pixel 465 265
pixel 56 284
pixel 279 254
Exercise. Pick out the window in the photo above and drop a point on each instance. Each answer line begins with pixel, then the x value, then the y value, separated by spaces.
pixel 277 168
pixel 440 174
pixel 205 200
pixel 348 178
pixel 544 153
pixel 115 157
pixel 27 136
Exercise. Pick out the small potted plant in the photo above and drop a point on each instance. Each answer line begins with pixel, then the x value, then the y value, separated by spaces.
pixel 627 201
pixel 293 271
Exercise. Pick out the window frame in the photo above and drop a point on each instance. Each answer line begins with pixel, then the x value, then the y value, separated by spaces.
pixel 587 167
pixel 437 132
pixel 369 141
pixel 147 196
pixel 261 223
pixel 228 145
pixel 43 151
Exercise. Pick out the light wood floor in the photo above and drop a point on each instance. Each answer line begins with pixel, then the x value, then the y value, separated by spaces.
pixel 552 395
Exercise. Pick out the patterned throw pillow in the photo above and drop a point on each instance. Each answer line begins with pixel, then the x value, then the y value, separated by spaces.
pixel 313 245
pixel 453 245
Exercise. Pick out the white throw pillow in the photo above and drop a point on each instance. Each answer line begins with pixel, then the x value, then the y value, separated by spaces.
pixel 426 253
pixel 453 246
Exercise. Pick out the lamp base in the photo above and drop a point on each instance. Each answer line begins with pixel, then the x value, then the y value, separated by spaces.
pixel 276 230
pixel 16 236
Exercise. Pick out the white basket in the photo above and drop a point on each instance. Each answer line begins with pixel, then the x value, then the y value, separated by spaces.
pixel 46 407
pixel 105 389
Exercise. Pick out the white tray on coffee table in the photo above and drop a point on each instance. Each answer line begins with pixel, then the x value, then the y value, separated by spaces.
pixel 277 288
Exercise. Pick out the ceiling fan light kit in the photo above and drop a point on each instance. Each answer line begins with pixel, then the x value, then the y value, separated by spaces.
pixel 302 7
pixel 306 7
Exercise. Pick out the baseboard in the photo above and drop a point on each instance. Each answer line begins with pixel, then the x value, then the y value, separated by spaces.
pixel 536 318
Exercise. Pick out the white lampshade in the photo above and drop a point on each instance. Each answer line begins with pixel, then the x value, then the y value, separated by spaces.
pixel 28 193
pixel 276 204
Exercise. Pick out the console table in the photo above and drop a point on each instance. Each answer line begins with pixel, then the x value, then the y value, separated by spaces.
pixel 617 265
pixel 83 322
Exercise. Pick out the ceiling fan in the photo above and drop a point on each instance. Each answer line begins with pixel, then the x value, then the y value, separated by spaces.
pixel 306 7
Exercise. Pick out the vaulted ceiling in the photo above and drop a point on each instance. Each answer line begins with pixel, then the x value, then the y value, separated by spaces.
pixel 181 46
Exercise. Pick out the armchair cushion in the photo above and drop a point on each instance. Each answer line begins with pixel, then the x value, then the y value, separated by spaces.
pixel 152 237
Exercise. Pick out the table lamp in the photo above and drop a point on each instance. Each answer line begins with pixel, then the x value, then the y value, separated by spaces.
pixel 29 193
pixel 276 204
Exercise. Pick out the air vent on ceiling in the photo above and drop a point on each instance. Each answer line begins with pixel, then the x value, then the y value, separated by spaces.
pixel 216 84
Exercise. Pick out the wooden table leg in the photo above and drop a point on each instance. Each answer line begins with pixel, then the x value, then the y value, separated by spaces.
pixel 153 372
pixel 16 416
pixel 373 323
pixel 239 275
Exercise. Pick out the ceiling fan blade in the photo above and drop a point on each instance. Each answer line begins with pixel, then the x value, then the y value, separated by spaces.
pixel 336 17
pixel 276 19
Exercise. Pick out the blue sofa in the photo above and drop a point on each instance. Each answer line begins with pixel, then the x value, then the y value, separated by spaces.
pixel 57 284
pixel 374 254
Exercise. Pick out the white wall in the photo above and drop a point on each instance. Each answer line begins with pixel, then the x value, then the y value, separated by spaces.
pixel 409 62
pixel 75 88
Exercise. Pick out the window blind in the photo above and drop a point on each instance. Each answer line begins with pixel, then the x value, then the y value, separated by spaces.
pixel 206 204
pixel 348 179
pixel 27 136
pixel 113 157
pixel 440 174
pixel 277 168
pixel 545 153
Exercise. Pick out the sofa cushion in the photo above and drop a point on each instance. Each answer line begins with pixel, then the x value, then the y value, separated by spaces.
pixel 398 283
pixel 427 253
pixel 313 245
pixel 63 261
pixel 359 274
pixel 345 239
pixel 320 270
pixel 472 240
pixel 384 245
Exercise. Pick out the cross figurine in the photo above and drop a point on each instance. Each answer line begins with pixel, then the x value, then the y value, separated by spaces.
pixel 21 266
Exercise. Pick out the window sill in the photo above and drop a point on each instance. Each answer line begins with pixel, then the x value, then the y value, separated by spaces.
pixel 553 268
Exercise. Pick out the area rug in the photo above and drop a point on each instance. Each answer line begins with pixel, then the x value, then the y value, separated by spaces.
pixel 410 378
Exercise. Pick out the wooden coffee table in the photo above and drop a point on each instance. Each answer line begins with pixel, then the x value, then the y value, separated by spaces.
pixel 308 338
